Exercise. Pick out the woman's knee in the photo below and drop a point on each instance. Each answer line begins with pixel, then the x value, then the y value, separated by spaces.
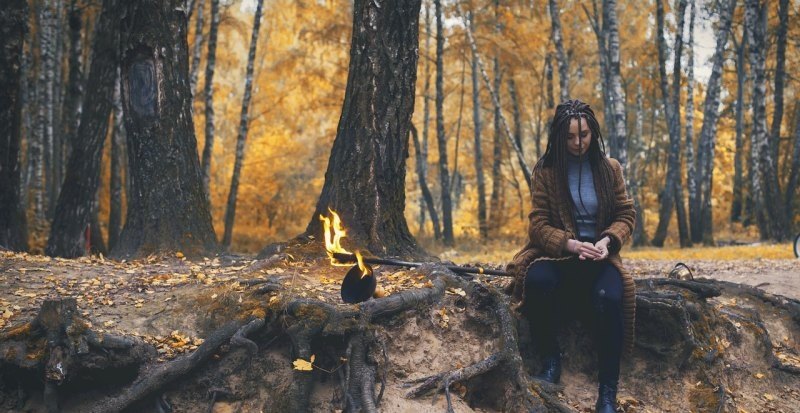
pixel 541 276
pixel 608 287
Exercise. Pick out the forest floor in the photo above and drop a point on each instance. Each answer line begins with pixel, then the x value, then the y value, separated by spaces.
pixel 173 303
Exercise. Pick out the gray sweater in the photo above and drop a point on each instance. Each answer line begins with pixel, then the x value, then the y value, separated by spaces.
pixel 581 188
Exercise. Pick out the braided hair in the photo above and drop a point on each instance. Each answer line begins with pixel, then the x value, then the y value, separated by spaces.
pixel 555 155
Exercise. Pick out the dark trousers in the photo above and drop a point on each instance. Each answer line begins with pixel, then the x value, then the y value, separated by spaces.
pixel 554 290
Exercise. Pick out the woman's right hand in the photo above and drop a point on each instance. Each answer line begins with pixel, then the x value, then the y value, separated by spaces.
pixel 584 250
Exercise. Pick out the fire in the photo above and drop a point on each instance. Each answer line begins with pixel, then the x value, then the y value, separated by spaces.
pixel 334 232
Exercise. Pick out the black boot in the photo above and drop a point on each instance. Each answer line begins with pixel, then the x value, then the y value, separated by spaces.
pixel 606 399
pixel 551 369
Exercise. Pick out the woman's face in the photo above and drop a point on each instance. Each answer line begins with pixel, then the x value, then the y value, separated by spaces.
pixel 578 141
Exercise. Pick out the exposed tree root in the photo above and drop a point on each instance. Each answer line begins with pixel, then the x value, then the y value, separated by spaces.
pixel 676 322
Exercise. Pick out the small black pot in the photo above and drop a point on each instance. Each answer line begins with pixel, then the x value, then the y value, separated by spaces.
pixel 356 289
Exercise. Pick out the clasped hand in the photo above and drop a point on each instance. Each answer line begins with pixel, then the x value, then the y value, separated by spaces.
pixel 588 251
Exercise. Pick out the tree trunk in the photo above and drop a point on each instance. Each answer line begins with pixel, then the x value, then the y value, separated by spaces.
pixel 198 45
pixel 483 226
pixel 423 186
pixel 616 94
pixel 737 203
pixel 672 185
pixel 600 28
pixel 14 21
pixel 74 209
pixel 230 211
pixel 117 166
pixel 365 178
pixel 766 190
pixel 49 65
pixel 561 55
pixel 780 75
pixel 167 209
pixel 497 201
pixel 708 132
pixel 691 170
pixel 791 187
pixel 211 58
pixel 74 100
pixel 422 156
pixel 634 167
pixel 444 173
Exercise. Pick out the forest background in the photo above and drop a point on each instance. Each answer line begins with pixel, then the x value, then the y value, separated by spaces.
pixel 299 79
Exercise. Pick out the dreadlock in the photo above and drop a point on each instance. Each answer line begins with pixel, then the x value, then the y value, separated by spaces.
pixel 555 155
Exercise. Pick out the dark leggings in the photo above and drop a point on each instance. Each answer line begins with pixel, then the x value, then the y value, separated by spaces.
pixel 573 282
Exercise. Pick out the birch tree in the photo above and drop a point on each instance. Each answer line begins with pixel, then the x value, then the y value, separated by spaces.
pixel 561 54
pixel 230 210
pixel 211 59
pixel 708 132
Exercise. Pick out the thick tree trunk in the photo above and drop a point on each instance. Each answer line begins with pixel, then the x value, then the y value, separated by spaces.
pixel 691 170
pixel 422 156
pixel 423 186
pixel 766 189
pixel 36 144
pixel 561 55
pixel 167 209
pixel 780 76
pixel 49 30
pixel 14 23
pixel 197 46
pixel 737 203
pixel 75 87
pixel 117 166
pixel 74 209
pixel 230 211
pixel 483 225
pixel 211 59
pixel 441 139
pixel 672 187
pixel 365 179
pixel 57 142
pixel 708 132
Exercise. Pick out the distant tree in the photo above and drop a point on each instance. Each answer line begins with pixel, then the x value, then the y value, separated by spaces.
pixel 244 121
pixel 211 60
pixel 76 202
pixel 700 210
pixel 766 189
pixel 423 186
pixel 561 54
pixel 483 226
pixel 365 178
pixel 738 181
pixel 14 24
pixel 167 209
pixel 441 138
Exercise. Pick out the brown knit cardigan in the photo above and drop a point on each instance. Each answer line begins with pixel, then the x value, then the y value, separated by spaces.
pixel 551 225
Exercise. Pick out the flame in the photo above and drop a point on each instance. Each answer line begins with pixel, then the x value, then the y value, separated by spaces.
pixel 334 232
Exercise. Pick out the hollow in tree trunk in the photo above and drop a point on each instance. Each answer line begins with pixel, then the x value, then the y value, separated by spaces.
pixel 365 178
pixel 167 209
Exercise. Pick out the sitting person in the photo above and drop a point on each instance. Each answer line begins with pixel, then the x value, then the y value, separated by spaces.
pixel 581 217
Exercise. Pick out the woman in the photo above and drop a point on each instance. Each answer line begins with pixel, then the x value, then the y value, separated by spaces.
pixel 581 217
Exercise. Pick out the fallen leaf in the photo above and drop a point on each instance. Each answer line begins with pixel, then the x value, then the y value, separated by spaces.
pixel 303 365
pixel 759 376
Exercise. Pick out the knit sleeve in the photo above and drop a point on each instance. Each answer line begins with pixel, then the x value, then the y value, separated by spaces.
pixel 541 231
pixel 624 218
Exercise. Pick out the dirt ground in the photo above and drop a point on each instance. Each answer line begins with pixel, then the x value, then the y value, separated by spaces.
pixel 165 301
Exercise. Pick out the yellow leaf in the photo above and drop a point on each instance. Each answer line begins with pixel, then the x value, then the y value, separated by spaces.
pixel 303 365
pixel 769 397
pixel 179 254
pixel 759 376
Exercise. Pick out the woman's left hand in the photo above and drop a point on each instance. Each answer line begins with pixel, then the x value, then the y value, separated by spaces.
pixel 602 245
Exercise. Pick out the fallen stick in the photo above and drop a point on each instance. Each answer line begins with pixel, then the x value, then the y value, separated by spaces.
pixel 351 258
